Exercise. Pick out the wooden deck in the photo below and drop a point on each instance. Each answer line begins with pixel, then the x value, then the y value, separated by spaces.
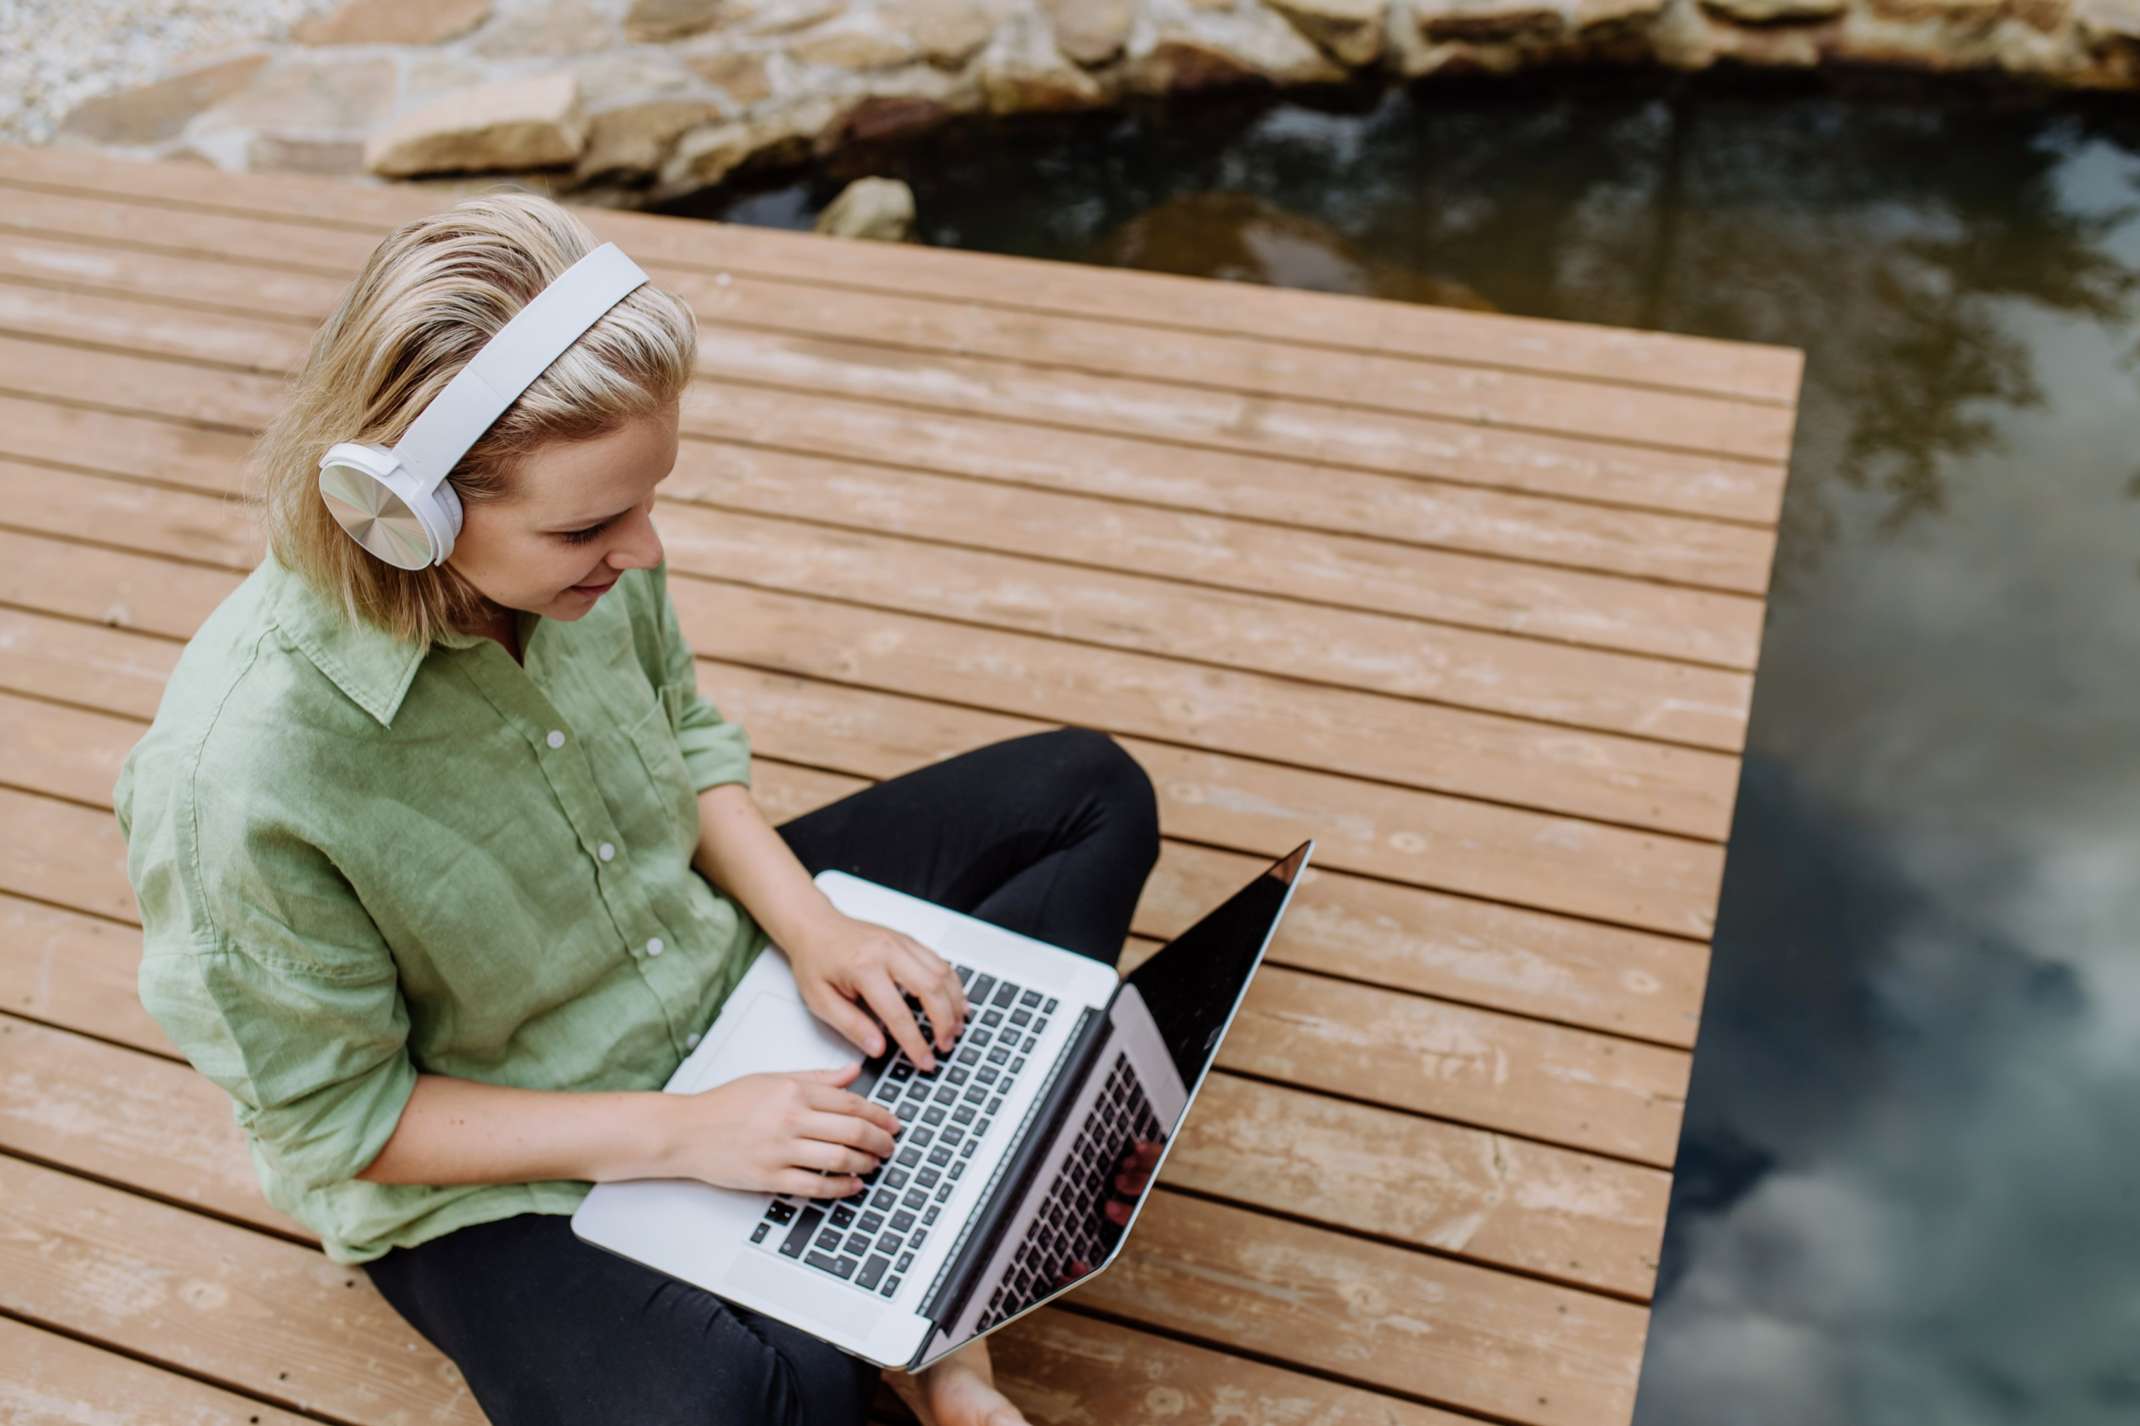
pixel 1475 601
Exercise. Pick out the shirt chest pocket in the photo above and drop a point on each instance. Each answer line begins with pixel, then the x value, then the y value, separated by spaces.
pixel 667 811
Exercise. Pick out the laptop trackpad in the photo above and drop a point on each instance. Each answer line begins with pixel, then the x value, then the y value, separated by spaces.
pixel 775 1031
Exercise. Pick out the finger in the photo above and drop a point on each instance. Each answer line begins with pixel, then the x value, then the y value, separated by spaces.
pixel 926 981
pixel 891 1008
pixel 838 1074
pixel 836 1102
pixel 850 1129
pixel 1117 1213
pixel 848 1018
pixel 805 1184
pixel 954 988
pixel 832 1158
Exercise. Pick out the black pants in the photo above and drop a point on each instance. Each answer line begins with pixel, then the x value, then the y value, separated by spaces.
pixel 1051 834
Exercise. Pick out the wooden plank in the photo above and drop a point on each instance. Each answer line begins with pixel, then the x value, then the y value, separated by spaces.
pixel 71 1100
pixel 769 328
pixel 1503 854
pixel 56 1381
pixel 1492 673
pixel 1381 574
pixel 1150 420
pixel 1487 1198
pixel 1504 958
pixel 1261 714
pixel 1560 1085
pixel 1342 322
pixel 756 436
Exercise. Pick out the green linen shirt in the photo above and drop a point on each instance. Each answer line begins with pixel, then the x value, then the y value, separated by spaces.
pixel 356 859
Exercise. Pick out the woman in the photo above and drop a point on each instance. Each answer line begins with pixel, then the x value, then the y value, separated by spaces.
pixel 443 871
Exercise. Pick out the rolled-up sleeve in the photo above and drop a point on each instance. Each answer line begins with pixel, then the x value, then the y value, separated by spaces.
pixel 273 982
pixel 715 749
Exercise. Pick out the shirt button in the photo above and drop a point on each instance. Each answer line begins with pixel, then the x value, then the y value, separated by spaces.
pixel 605 851
pixel 557 739
pixel 691 1040
pixel 654 946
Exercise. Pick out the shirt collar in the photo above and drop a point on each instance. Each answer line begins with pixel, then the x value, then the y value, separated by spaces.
pixel 370 665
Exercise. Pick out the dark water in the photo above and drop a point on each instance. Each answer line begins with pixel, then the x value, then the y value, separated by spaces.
pixel 1909 1185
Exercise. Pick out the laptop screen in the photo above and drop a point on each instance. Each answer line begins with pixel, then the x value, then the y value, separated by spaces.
pixel 1193 984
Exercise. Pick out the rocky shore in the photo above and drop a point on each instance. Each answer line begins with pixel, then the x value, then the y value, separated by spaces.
pixel 630 102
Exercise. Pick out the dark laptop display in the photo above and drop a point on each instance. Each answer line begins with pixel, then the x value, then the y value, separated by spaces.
pixel 1192 988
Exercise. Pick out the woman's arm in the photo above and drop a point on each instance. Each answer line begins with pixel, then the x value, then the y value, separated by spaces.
pixel 841 964
pixel 742 854
pixel 460 1131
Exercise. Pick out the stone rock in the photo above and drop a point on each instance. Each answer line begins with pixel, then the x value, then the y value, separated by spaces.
pixel 155 112
pixel 877 208
pixel 1219 49
pixel 852 42
pixel 886 116
pixel 2046 16
pixel 1349 31
pixel 632 138
pixel 1971 12
pixel 703 157
pixel 1600 14
pixel 950 32
pixel 1090 31
pixel 1489 19
pixel 1764 12
pixel 2109 19
pixel 654 20
pixel 744 76
pixel 554 28
pixel 510 123
pixel 777 17
pixel 1022 71
pixel 392 22
pixel 629 75
pixel 318 95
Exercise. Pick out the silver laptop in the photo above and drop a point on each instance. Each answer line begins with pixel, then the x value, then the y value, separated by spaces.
pixel 994 1198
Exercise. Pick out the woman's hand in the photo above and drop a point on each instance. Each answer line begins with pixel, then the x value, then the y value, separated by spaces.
pixel 794 1132
pixel 847 968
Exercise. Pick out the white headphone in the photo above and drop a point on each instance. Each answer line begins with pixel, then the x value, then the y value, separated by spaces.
pixel 396 503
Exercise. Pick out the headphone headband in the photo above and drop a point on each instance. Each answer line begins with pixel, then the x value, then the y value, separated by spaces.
pixel 510 361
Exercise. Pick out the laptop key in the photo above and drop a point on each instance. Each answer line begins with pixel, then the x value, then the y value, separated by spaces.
pixel 845 1267
pixel 1005 994
pixel 978 992
pixel 901 1221
pixel 858 1243
pixel 1031 997
pixel 757 1234
pixel 872 1271
pixel 891 1285
pixel 825 1261
pixel 883 1198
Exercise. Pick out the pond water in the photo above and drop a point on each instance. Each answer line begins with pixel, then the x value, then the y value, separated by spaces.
pixel 1909 1183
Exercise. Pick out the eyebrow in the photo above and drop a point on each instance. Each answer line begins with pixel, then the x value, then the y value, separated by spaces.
pixel 599 520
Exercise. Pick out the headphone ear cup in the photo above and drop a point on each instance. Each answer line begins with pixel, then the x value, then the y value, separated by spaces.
pixel 374 508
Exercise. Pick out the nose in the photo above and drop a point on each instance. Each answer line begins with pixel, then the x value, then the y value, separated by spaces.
pixel 640 546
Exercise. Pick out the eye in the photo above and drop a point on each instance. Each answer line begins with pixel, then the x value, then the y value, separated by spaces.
pixel 581 537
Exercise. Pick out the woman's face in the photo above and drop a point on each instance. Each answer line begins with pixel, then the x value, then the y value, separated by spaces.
pixel 578 516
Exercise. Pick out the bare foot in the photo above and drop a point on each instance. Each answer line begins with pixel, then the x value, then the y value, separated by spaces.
pixel 960 1390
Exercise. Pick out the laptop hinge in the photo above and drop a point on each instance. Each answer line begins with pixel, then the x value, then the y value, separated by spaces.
pixel 970 1254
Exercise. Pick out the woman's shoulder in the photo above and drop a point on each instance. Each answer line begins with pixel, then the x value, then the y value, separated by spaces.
pixel 242 708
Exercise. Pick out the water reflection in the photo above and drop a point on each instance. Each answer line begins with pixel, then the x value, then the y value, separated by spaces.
pixel 1913 1142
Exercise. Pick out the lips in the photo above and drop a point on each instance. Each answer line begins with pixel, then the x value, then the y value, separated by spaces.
pixel 597 588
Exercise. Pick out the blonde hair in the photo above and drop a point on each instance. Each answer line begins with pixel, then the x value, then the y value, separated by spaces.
pixel 428 298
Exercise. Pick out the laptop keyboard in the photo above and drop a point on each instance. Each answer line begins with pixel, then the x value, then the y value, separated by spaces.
pixel 1071 1226
pixel 869 1238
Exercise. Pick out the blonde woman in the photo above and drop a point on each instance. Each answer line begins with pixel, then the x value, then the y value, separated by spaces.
pixel 442 871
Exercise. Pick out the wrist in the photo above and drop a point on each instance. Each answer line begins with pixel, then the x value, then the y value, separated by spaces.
pixel 654 1137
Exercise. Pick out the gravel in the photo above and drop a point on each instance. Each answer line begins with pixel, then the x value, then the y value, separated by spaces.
pixel 56 53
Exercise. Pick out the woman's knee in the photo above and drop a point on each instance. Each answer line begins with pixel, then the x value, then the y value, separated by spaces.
pixel 1101 766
